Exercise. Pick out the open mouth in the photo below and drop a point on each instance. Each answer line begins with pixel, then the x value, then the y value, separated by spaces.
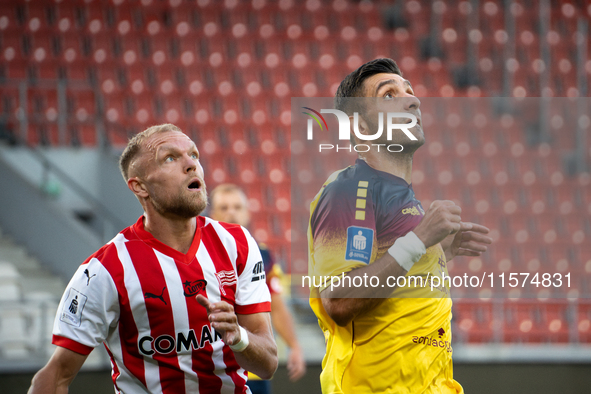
pixel 408 120
pixel 195 185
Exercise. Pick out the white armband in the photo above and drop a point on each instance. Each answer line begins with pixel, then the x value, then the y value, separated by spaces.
pixel 407 250
pixel 243 344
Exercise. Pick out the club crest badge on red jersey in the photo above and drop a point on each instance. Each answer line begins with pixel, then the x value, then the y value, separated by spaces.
pixel 226 278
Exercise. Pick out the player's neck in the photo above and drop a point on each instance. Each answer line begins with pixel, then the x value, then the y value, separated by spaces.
pixel 177 233
pixel 399 165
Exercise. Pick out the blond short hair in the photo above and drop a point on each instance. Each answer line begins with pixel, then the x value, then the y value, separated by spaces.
pixel 134 146
pixel 224 188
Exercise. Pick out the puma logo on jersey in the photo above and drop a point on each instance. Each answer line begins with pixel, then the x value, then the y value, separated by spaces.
pixel 88 276
pixel 258 272
pixel 152 295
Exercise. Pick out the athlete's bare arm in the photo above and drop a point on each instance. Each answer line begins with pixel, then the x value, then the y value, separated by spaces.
pixel 344 303
pixel 283 323
pixel 59 372
pixel 260 357
pixel 359 299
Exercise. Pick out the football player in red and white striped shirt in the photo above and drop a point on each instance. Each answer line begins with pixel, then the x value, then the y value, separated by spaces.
pixel 171 297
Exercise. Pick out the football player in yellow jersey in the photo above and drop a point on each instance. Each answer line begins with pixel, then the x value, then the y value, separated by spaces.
pixel 366 223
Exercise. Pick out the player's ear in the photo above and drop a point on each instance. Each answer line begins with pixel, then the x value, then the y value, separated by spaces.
pixel 248 216
pixel 137 187
pixel 362 129
pixel 362 125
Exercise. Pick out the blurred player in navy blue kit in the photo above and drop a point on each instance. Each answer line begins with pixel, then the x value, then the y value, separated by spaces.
pixel 228 203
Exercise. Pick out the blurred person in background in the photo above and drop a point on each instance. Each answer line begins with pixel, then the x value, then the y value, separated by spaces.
pixel 228 203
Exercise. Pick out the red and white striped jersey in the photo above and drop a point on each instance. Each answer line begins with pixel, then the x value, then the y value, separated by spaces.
pixel 137 296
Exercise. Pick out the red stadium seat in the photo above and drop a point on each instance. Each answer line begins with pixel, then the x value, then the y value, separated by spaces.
pixel 475 322
pixel 87 135
pixel 583 321
pixel 81 105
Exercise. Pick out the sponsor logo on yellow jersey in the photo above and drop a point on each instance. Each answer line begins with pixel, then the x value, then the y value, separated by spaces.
pixel 412 211
pixel 435 342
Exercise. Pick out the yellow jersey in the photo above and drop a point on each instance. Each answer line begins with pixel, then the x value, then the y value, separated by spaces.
pixel 404 344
